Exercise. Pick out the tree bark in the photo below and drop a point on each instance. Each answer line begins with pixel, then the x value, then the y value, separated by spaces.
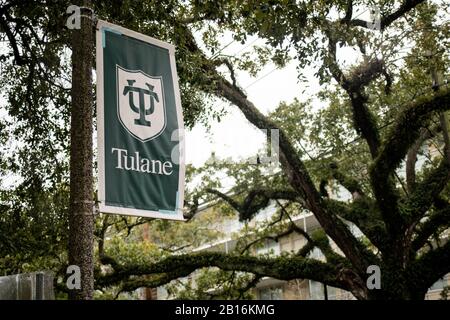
pixel 81 223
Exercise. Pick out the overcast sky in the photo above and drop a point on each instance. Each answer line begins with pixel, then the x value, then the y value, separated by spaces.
pixel 236 137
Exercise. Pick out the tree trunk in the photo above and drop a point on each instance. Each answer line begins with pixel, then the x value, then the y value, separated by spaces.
pixel 81 223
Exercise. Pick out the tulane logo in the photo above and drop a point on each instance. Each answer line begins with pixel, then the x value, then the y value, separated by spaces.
pixel 140 103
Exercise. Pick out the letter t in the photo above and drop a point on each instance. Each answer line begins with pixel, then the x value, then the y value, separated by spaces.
pixel 119 156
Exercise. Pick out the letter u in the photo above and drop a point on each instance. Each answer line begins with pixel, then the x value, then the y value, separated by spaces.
pixel 132 163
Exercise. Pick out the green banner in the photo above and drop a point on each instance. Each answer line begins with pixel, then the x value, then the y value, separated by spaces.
pixel 140 125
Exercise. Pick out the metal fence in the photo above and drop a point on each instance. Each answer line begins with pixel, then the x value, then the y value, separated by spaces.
pixel 27 286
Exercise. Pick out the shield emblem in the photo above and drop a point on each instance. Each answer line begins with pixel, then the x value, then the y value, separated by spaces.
pixel 140 103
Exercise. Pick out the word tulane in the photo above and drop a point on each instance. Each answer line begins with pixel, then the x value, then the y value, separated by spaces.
pixel 141 164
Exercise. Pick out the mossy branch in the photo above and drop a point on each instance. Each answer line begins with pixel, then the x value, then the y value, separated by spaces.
pixel 407 130
pixel 275 237
pixel 256 200
pixel 388 19
pixel 147 281
pixel 349 183
pixel 438 220
pixel 173 267
pixel 426 192
pixel 429 268
pixel 393 150
pixel 365 215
